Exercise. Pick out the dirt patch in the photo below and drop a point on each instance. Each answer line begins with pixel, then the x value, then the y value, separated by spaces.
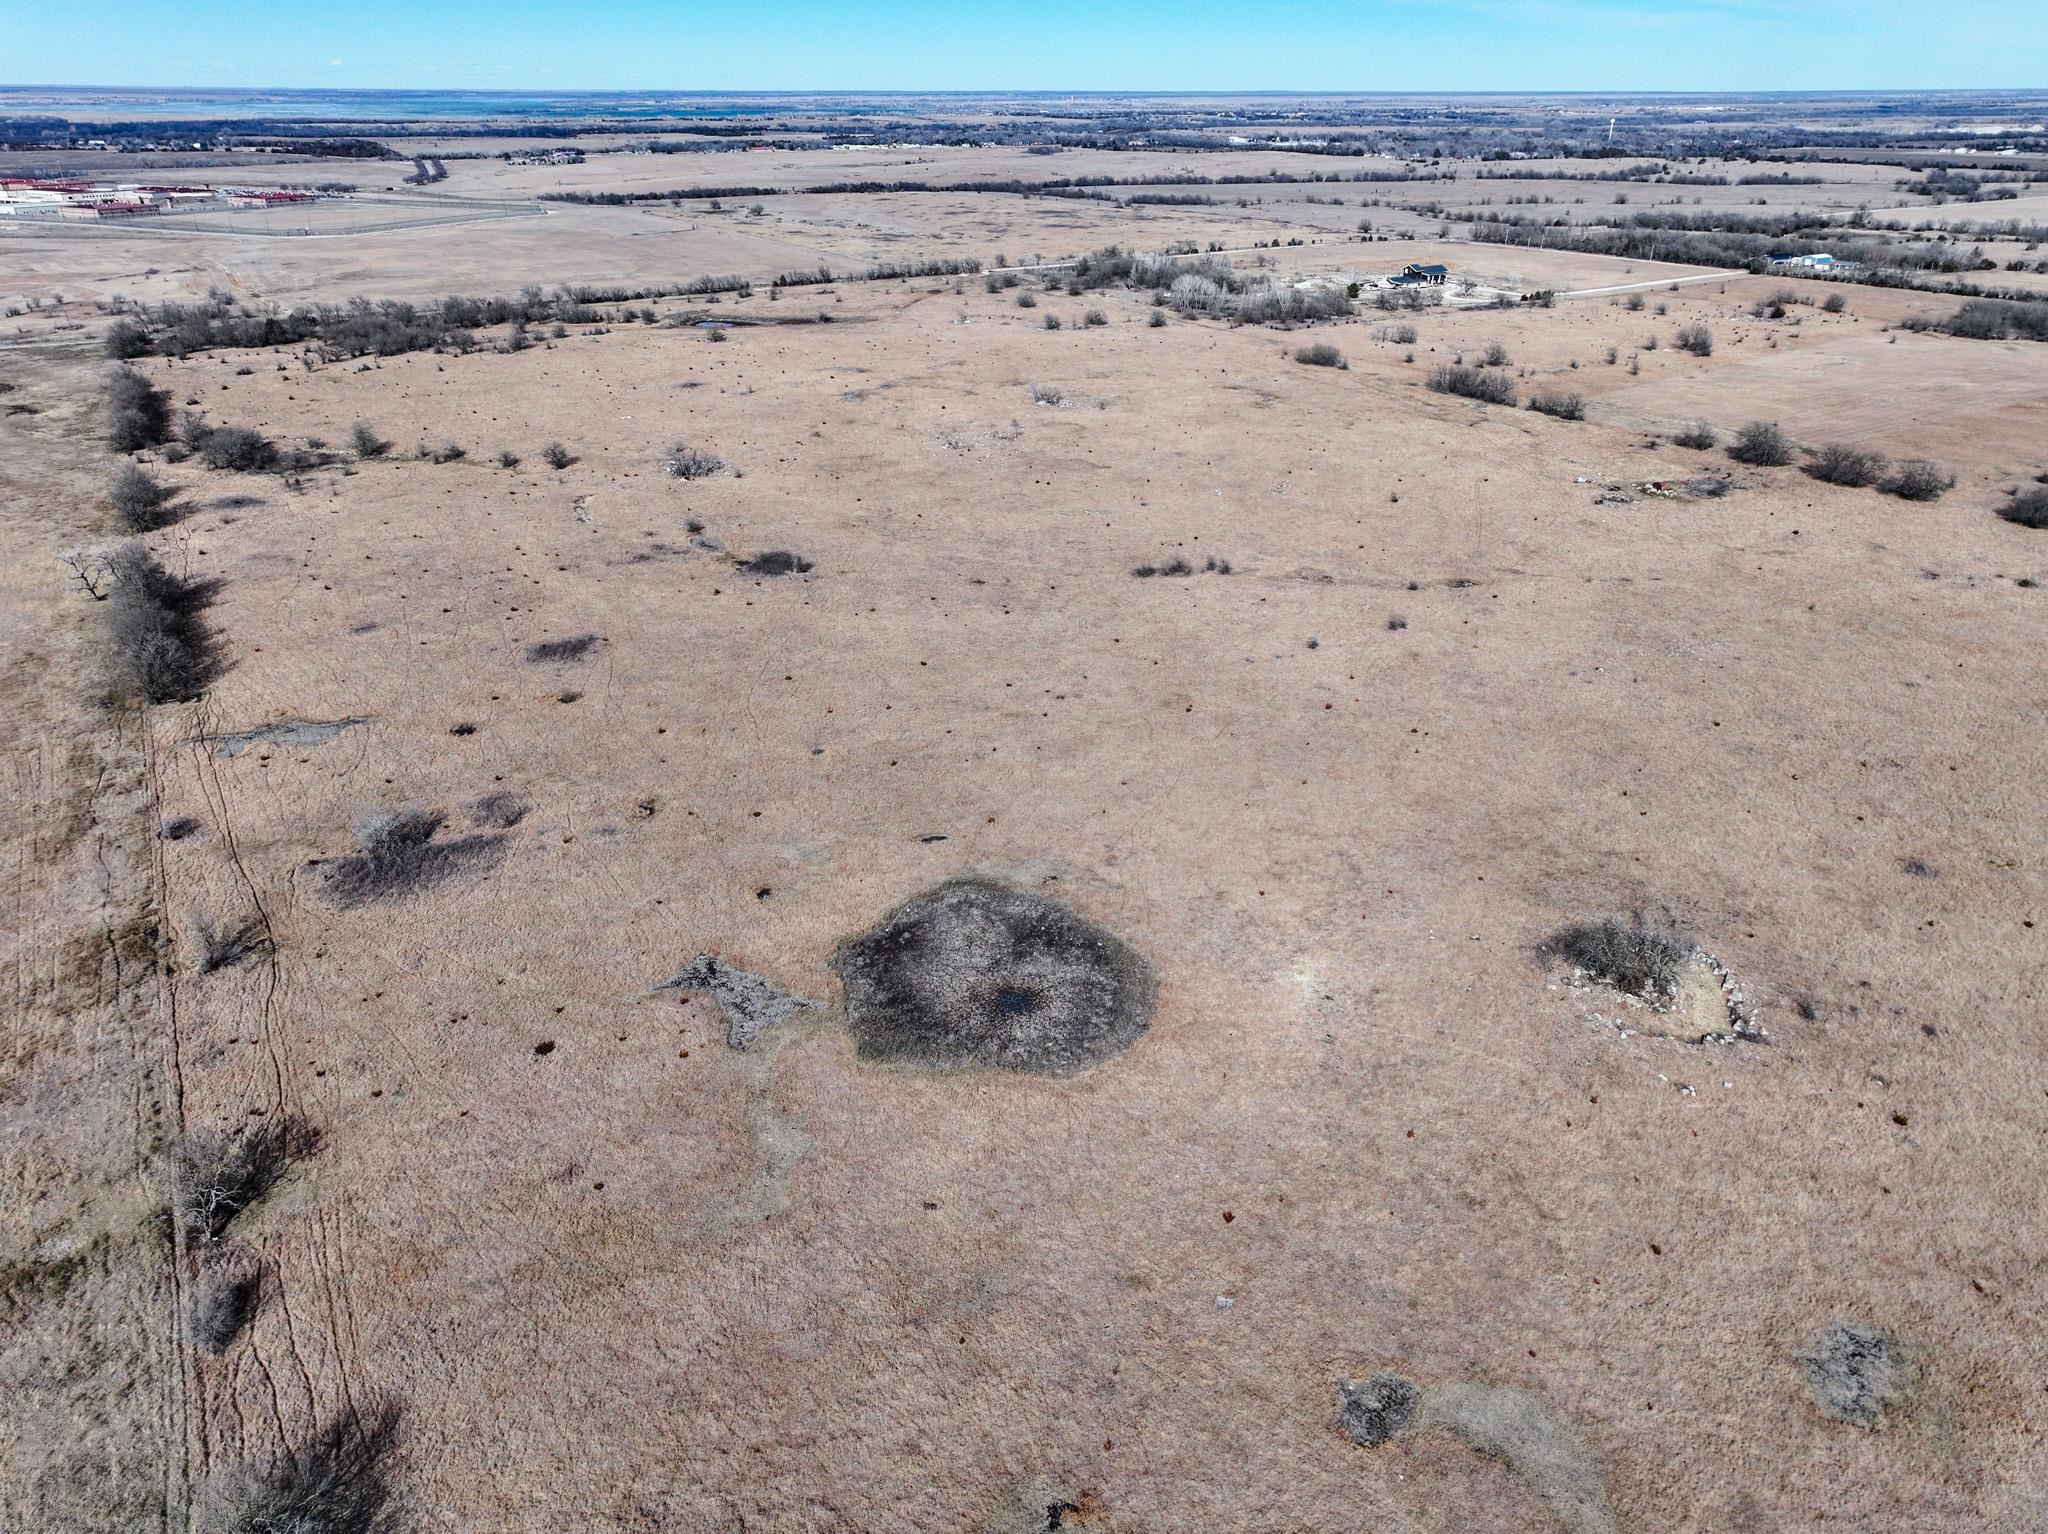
pixel 284 732
pixel 749 1005
pixel 974 972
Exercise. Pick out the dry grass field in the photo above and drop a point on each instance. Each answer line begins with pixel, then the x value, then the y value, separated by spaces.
pixel 1326 701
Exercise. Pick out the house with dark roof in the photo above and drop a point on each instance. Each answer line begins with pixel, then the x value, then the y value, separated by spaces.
pixel 1416 275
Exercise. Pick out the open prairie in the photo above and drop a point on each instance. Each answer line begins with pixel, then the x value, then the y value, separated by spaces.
pixel 838 908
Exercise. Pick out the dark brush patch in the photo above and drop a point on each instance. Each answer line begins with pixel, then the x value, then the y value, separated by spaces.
pixel 1373 1412
pixel 1854 1373
pixel 1631 956
pixel 775 562
pixel 499 812
pixel 974 972
pixel 574 648
pixel 398 857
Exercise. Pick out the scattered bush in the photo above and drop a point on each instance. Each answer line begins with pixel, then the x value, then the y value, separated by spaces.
pixel 1495 355
pixel 138 413
pixel 1156 319
pixel 556 456
pixel 1052 322
pixel 1321 355
pixel 1473 383
pixel 139 499
pixel 447 452
pixel 686 462
pixel 1697 435
pixel 237 449
pixel 1046 394
pixel 1094 317
pixel 1696 339
pixel 163 651
pixel 1839 464
pixel 1026 299
pixel 508 460
pixel 1833 304
pixel 1761 444
pixel 1633 303
pixel 365 442
pixel 1631 956
pixel 1566 407
pixel 214 1177
pixel 2027 508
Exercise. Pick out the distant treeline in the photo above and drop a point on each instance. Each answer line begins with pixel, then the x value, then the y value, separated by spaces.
pixel 1053 187
pixel 1870 262
pixel 365 328
pixel 1989 319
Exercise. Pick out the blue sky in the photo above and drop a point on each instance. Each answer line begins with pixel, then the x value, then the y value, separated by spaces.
pixel 1385 45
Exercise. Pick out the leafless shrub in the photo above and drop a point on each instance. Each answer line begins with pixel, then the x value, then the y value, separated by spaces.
pixel 223 947
pixel 1321 355
pixel 236 448
pixel 138 413
pixel 214 1177
pixel 335 1485
pixel 1839 464
pixel 1566 407
pixel 223 1300
pixel 1696 339
pixel 1495 355
pixel 2027 508
pixel 686 462
pixel 1697 435
pixel 140 500
pixel 1473 383
pixel 1046 394
pixel 1761 444
pixel 1919 479
pixel 163 651
pixel 365 442
pixel 1631 956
